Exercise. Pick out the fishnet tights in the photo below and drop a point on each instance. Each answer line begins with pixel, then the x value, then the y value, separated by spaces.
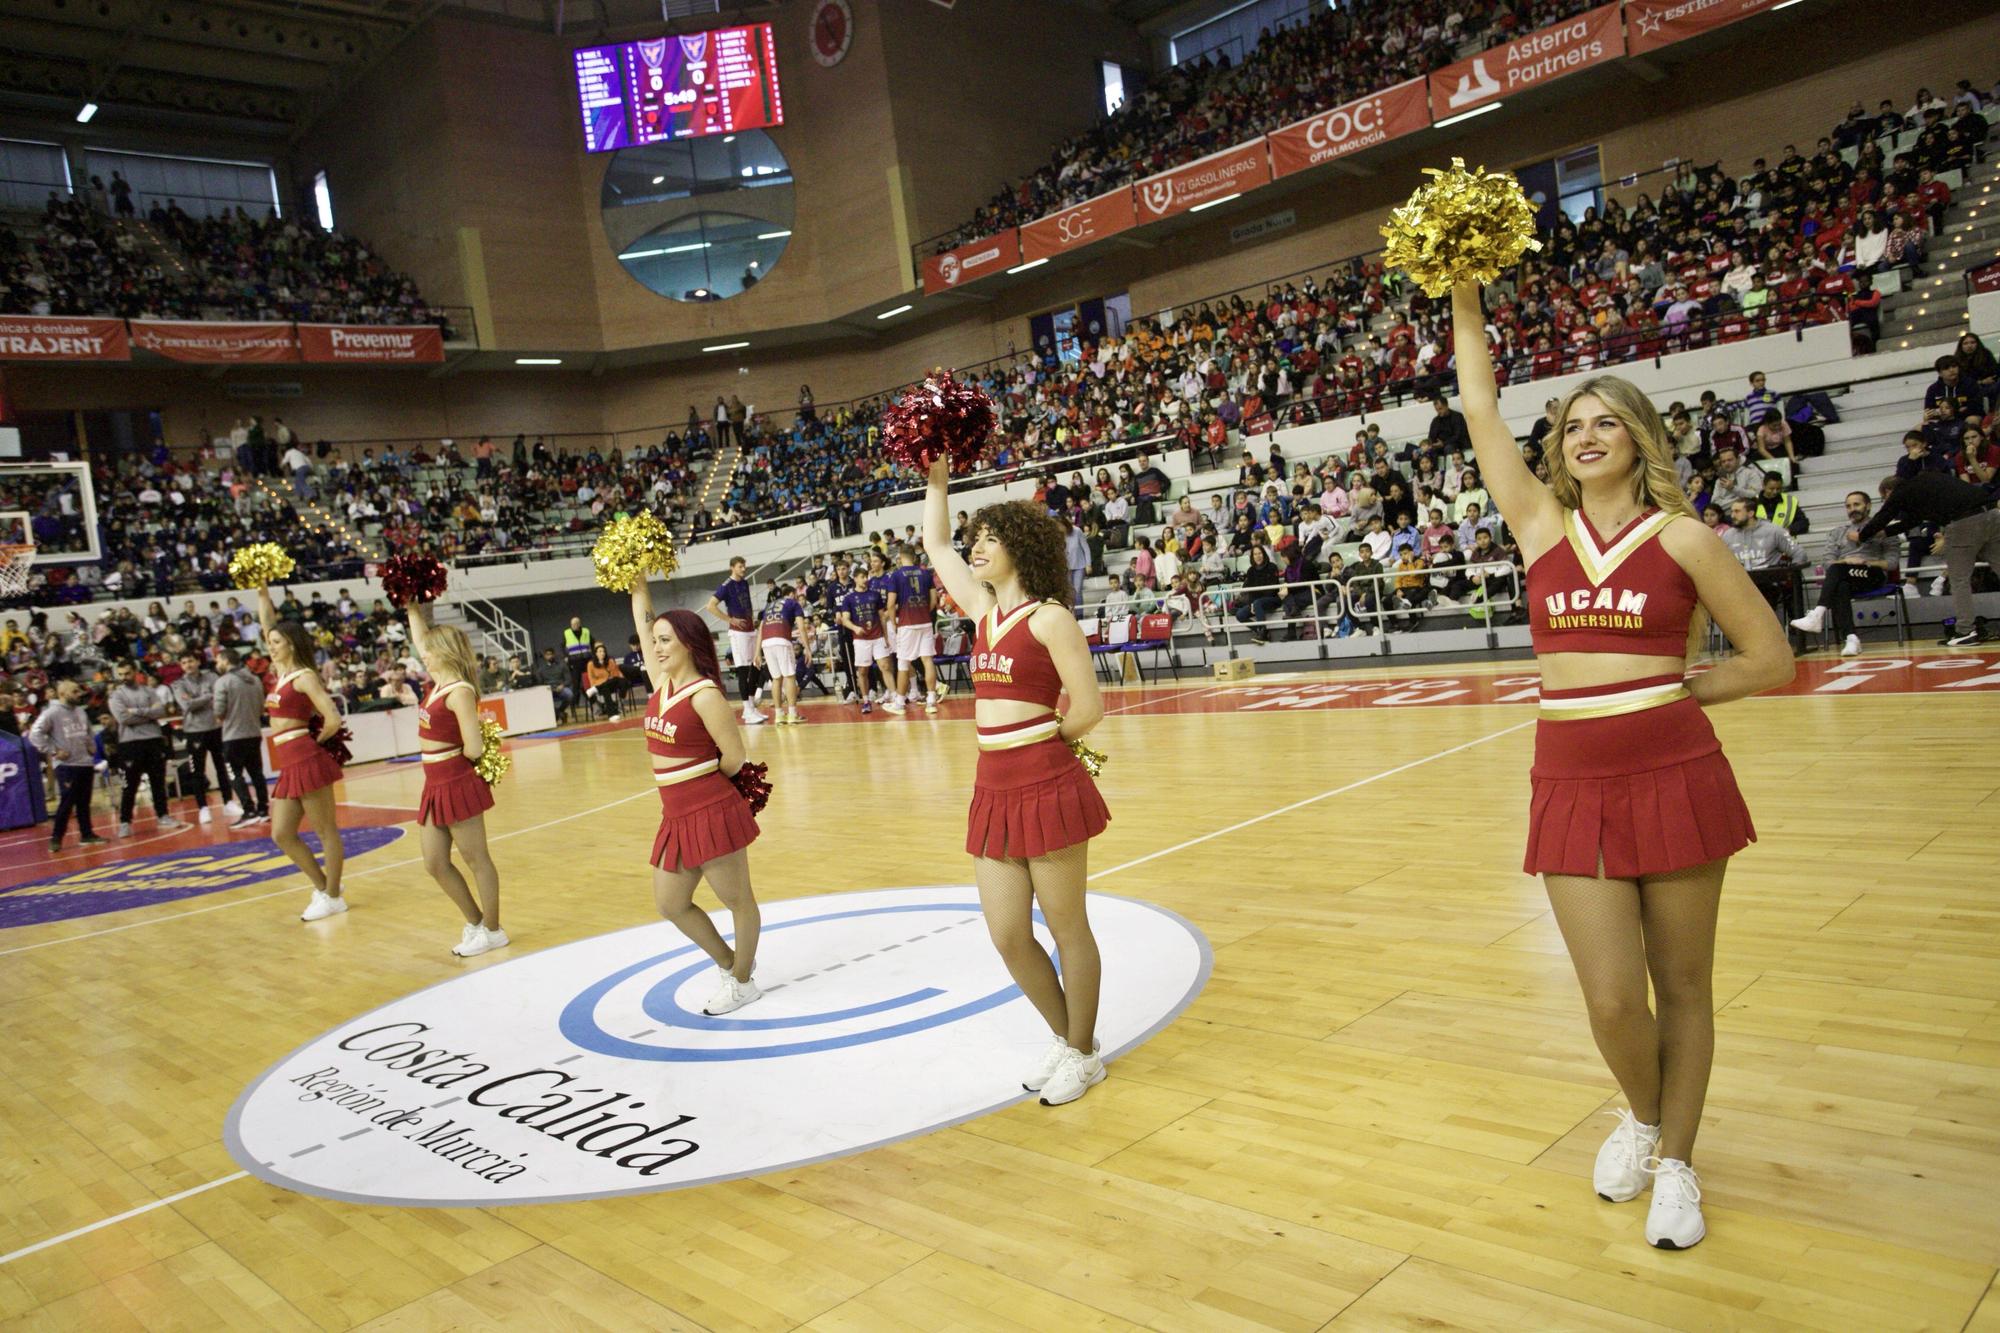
pixel 1622 932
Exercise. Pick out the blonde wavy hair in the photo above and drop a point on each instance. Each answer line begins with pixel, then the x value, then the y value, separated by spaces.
pixel 453 651
pixel 1655 482
pixel 1654 479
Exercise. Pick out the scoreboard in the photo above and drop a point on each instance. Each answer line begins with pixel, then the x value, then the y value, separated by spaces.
pixel 678 87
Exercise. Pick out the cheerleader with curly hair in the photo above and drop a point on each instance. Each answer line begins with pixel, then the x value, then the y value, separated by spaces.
pixel 1034 807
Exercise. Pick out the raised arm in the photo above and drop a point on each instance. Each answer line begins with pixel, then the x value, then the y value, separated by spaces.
pixel 267 612
pixel 642 625
pixel 420 628
pixel 1519 495
pixel 952 571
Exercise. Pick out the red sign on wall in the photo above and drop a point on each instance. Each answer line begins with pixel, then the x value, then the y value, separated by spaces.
pixel 404 344
pixel 1217 176
pixel 201 340
pixel 1546 54
pixel 1091 220
pixel 972 261
pixel 1362 123
pixel 1652 24
pixel 60 338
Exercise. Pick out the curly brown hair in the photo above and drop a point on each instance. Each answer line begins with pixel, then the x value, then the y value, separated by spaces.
pixel 1035 542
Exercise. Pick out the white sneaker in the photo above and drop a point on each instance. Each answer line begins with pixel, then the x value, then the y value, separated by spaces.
pixel 751 717
pixel 465 936
pixel 1812 622
pixel 849 697
pixel 475 941
pixel 497 939
pixel 1673 1222
pixel 323 906
pixel 930 702
pixel 1937 586
pixel 201 816
pixel 614 715
pixel 167 823
pixel 795 718
pixel 1075 1075
pixel 894 705
pixel 124 829
pixel 731 994
pixel 234 809
pixel 1620 1174
pixel 1852 646
pixel 1046 1067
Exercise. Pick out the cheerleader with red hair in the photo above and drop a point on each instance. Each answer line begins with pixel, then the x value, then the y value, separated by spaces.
pixel 706 826
pixel 1034 806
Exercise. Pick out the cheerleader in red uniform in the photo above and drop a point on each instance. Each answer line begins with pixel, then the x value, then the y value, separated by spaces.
pixel 1635 811
pixel 452 811
pixel 706 827
pixel 306 771
pixel 1034 807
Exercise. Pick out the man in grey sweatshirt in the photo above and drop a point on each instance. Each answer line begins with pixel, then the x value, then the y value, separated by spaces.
pixel 194 695
pixel 142 746
pixel 62 734
pixel 238 702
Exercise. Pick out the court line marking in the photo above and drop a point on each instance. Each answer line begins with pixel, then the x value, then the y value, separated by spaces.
pixel 354 874
pixel 1111 870
pixel 41 1245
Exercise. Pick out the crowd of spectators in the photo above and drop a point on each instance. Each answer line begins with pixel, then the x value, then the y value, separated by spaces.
pixel 81 260
pixel 1714 259
pixel 1207 105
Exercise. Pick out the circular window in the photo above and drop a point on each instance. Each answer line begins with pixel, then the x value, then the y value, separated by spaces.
pixel 699 219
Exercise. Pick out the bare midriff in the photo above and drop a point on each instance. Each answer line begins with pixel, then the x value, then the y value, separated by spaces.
pixel 1005 712
pixel 1573 671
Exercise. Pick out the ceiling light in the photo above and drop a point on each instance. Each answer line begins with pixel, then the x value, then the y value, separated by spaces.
pixel 89 110
pixel 658 180
pixel 890 314
pixel 729 138
pixel 1467 115
pixel 683 249
pixel 1032 263
pixel 641 254
pixel 1213 202
pixel 773 235
pixel 725 347
pixel 537 360
pixel 1786 5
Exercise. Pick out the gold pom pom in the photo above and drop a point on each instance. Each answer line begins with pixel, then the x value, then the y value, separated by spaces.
pixel 493 762
pixel 632 548
pixel 1093 760
pixel 1464 224
pixel 260 565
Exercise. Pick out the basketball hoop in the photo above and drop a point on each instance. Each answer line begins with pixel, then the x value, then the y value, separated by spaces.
pixel 17 567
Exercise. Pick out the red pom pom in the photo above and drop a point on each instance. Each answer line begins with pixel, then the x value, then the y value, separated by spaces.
pixel 940 418
pixel 412 578
pixel 753 781
pixel 336 744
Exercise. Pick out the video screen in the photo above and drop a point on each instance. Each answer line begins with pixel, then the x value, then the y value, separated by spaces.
pixel 678 87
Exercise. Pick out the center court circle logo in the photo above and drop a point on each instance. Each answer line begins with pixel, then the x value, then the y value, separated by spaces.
pixel 588 1070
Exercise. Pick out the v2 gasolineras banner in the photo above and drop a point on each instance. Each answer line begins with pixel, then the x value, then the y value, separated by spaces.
pixel 1205 180
pixel 63 338
pixel 204 340
pixel 372 344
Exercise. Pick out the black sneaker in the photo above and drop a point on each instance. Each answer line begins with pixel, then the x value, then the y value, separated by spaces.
pixel 55 846
pixel 91 840
pixel 1971 636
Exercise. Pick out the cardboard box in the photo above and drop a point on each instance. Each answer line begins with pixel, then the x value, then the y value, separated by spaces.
pixel 1236 668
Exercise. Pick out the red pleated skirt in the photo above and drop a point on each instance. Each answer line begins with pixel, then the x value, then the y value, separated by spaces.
pixel 1644 793
pixel 701 819
pixel 304 767
pixel 453 791
pixel 1032 800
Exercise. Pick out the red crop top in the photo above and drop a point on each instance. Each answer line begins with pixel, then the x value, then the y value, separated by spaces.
pixel 437 724
pixel 1625 595
pixel 1009 662
pixel 674 731
pixel 286 703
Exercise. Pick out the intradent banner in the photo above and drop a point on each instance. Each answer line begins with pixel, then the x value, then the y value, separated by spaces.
pixel 63 338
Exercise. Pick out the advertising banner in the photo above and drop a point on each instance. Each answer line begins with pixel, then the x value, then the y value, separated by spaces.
pixel 1591 38
pixel 970 262
pixel 201 340
pixel 63 338
pixel 372 344
pixel 1231 171
pixel 1091 220
pixel 1362 123
pixel 1652 24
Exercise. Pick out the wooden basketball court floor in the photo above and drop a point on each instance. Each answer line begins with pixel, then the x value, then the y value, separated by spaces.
pixel 1379 1113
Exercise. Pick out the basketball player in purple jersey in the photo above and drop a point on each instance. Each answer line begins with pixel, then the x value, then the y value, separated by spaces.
pixel 912 594
pixel 731 603
pixel 784 634
pixel 861 616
